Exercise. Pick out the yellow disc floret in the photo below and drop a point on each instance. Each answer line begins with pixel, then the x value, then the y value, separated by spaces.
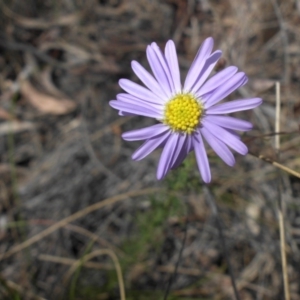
pixel 183 113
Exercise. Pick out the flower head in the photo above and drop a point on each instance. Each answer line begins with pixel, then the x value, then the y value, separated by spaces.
pixel 185 114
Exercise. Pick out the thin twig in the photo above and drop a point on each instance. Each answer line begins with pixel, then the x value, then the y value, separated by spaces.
pixel 72 218
pixel 69 261
pixel 90 149
pixel 276 164
pixel 285 42
pixel 253 137
pixel 102 242
pixel 280 204
pixel 214 209
pixel 16 46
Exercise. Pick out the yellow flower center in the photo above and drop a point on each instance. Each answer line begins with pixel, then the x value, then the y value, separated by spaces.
pixel 183 113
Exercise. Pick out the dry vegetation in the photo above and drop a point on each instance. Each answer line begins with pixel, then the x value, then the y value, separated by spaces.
pixel 61 154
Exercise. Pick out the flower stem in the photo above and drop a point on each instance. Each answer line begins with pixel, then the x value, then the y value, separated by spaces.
pixel 173 276
pixel 213 206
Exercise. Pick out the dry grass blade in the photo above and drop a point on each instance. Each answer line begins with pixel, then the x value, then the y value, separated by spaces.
pixel 94 237
pixel 241 283
pixel 15 287
pixel 72 218
pixel 96 253
pixel 75 228
pixel 280 204
pixel 65 20
pixel 69 262
pixel 185 271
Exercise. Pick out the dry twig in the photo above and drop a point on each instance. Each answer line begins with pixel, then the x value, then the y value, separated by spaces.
pixel 74 217
pixel 280 204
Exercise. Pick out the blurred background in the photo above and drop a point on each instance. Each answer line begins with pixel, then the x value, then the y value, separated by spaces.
pixel 61 152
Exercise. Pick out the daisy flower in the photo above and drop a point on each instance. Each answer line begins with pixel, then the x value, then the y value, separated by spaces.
pixel 187 114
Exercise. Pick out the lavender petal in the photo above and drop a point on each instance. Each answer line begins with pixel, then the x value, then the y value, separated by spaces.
pixel 127 98
pixel 147 79
pixel 158 71
pixel 218 146
pixel 233 106
pixel 145 133
pixel 227 88
pixel 138 91
pixel 186 149
pixel 125 114
pixel 167 156
pixel 150 145
pixel 172 60
pixel 189 144
pixel 228 138
pixel 164 64
pixel 230 122
pixel 180 151
pixel 217 80
pixel 201 157
pixel 198 63
pixel 206 70
pixel 234 133
pixel 135 109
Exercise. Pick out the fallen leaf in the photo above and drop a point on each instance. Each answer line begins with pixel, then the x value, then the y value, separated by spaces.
pixel 15 127
pixel 4 115
pixel 46 103
pixel 45 80
pixel 65 20
pixel 262 85
pixel 75 53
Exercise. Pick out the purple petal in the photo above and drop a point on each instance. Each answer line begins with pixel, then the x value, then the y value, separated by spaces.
pixel 186 149
pixel 224 90
pixel 201 158
pixel 172 60
pixel 150 145
pixel 145 133
pixel 135 109
pixel 158 71
pixel 167 156
pixel 147 79
pixel 190 145
pixel 164 64
pixel 218 146
pixel 245 81
pixel 179 160
pixel 198 63
pixel 230 122
pixel 203 98
pixel 125 114
pixel 206 70
pixel 138 91
pixel 234 133
pixel 233 106
pixel 181 150
pixel 217 80
pixel 228 138
pixel 127 98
